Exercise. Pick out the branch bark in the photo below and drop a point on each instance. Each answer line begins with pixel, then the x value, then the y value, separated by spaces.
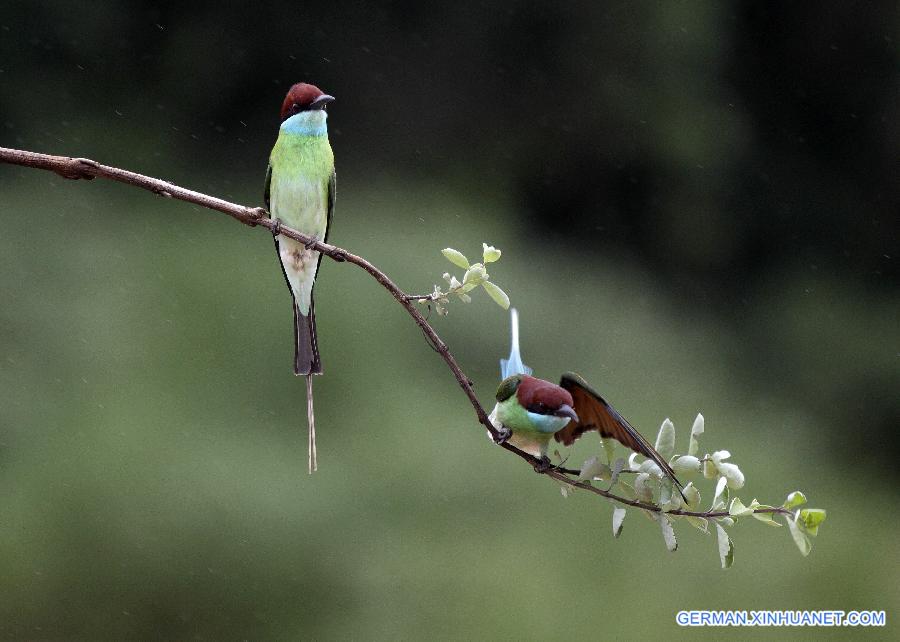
pixel 84 168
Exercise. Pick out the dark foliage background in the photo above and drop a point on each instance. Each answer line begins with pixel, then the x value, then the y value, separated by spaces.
pixel 697 202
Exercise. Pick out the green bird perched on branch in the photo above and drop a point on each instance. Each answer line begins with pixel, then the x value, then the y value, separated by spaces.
pixel 530 412
pixel 300 191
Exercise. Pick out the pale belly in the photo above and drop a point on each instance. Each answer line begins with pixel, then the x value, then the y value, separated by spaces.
pixel 533 443
pixel 302 205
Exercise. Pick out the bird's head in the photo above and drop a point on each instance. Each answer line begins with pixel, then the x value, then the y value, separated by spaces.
pixel 303 97
pixel 538 396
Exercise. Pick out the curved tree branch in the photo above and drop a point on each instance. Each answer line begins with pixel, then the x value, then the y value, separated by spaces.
pixel 83 168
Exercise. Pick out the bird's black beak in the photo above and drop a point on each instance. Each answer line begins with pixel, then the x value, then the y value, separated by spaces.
pixel 321 102
pixel 566 410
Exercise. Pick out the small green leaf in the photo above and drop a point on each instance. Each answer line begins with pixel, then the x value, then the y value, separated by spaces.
pixel 665 496
pixel 692 494
pixel 733 474
pixel 698 522
pixel 794 499
pixel 665 440
pixel 668 532
pixel 617 520
pixel 730 471
pixel 490 253
pixel 456 258
pixel 800 538
pixel 737 508
pixel 696 431
pixel 642 489
pixel 627 490
pixel 685 464
pixel 766 518
pixel 650 466
pixel 475 274
pixel 498 295
pixel 726 547
pixel 676 501
pixel 721 496
pixel 632 461
pixel 610 449
pixel 669 498
pixel 593 468
pixel 811 518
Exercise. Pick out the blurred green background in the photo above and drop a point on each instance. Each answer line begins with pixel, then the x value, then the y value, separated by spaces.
pixel 697 207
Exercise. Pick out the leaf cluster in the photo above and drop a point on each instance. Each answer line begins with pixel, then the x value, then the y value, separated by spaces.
pixel 475 275
pixel 660 501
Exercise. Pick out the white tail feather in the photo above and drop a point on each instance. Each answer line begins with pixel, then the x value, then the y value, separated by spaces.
pixel 513 365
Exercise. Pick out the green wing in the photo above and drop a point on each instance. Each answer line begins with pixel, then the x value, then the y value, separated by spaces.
pixel 267 194
pixel 332 194
pixel 332 189
pixel 508 387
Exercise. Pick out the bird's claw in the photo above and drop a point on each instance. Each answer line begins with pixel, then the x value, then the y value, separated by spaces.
pixel 312 241
pixel 543 465
pixel 503 435
pixel 276 228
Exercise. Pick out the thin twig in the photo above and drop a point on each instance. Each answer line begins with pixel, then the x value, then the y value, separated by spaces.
pixel 84 168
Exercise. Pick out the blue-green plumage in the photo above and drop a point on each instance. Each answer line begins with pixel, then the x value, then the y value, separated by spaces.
pixel 531 412
pixel 300 191
pixel 300 194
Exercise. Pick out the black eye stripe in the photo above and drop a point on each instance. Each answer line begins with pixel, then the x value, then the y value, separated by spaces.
pixel 538 408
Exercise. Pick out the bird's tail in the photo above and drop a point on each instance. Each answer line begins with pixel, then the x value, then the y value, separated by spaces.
pixel 311 422
pixel 307 362
pixel 306 346
pixel 513 365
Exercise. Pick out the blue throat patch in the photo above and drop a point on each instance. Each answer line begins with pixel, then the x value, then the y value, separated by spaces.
pixel 547 423
pixel 307 123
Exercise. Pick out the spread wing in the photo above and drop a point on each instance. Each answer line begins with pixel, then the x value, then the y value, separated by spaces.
pixel 596 414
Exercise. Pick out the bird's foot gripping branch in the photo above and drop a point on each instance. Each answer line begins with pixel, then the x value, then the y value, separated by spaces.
pixel 651 491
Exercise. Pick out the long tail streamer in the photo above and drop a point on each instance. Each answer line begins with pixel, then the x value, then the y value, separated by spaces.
pixel 513 365
pixel 311 422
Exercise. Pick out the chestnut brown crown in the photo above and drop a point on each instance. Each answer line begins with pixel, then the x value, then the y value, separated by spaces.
pixel 542 397
pixel 303 97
